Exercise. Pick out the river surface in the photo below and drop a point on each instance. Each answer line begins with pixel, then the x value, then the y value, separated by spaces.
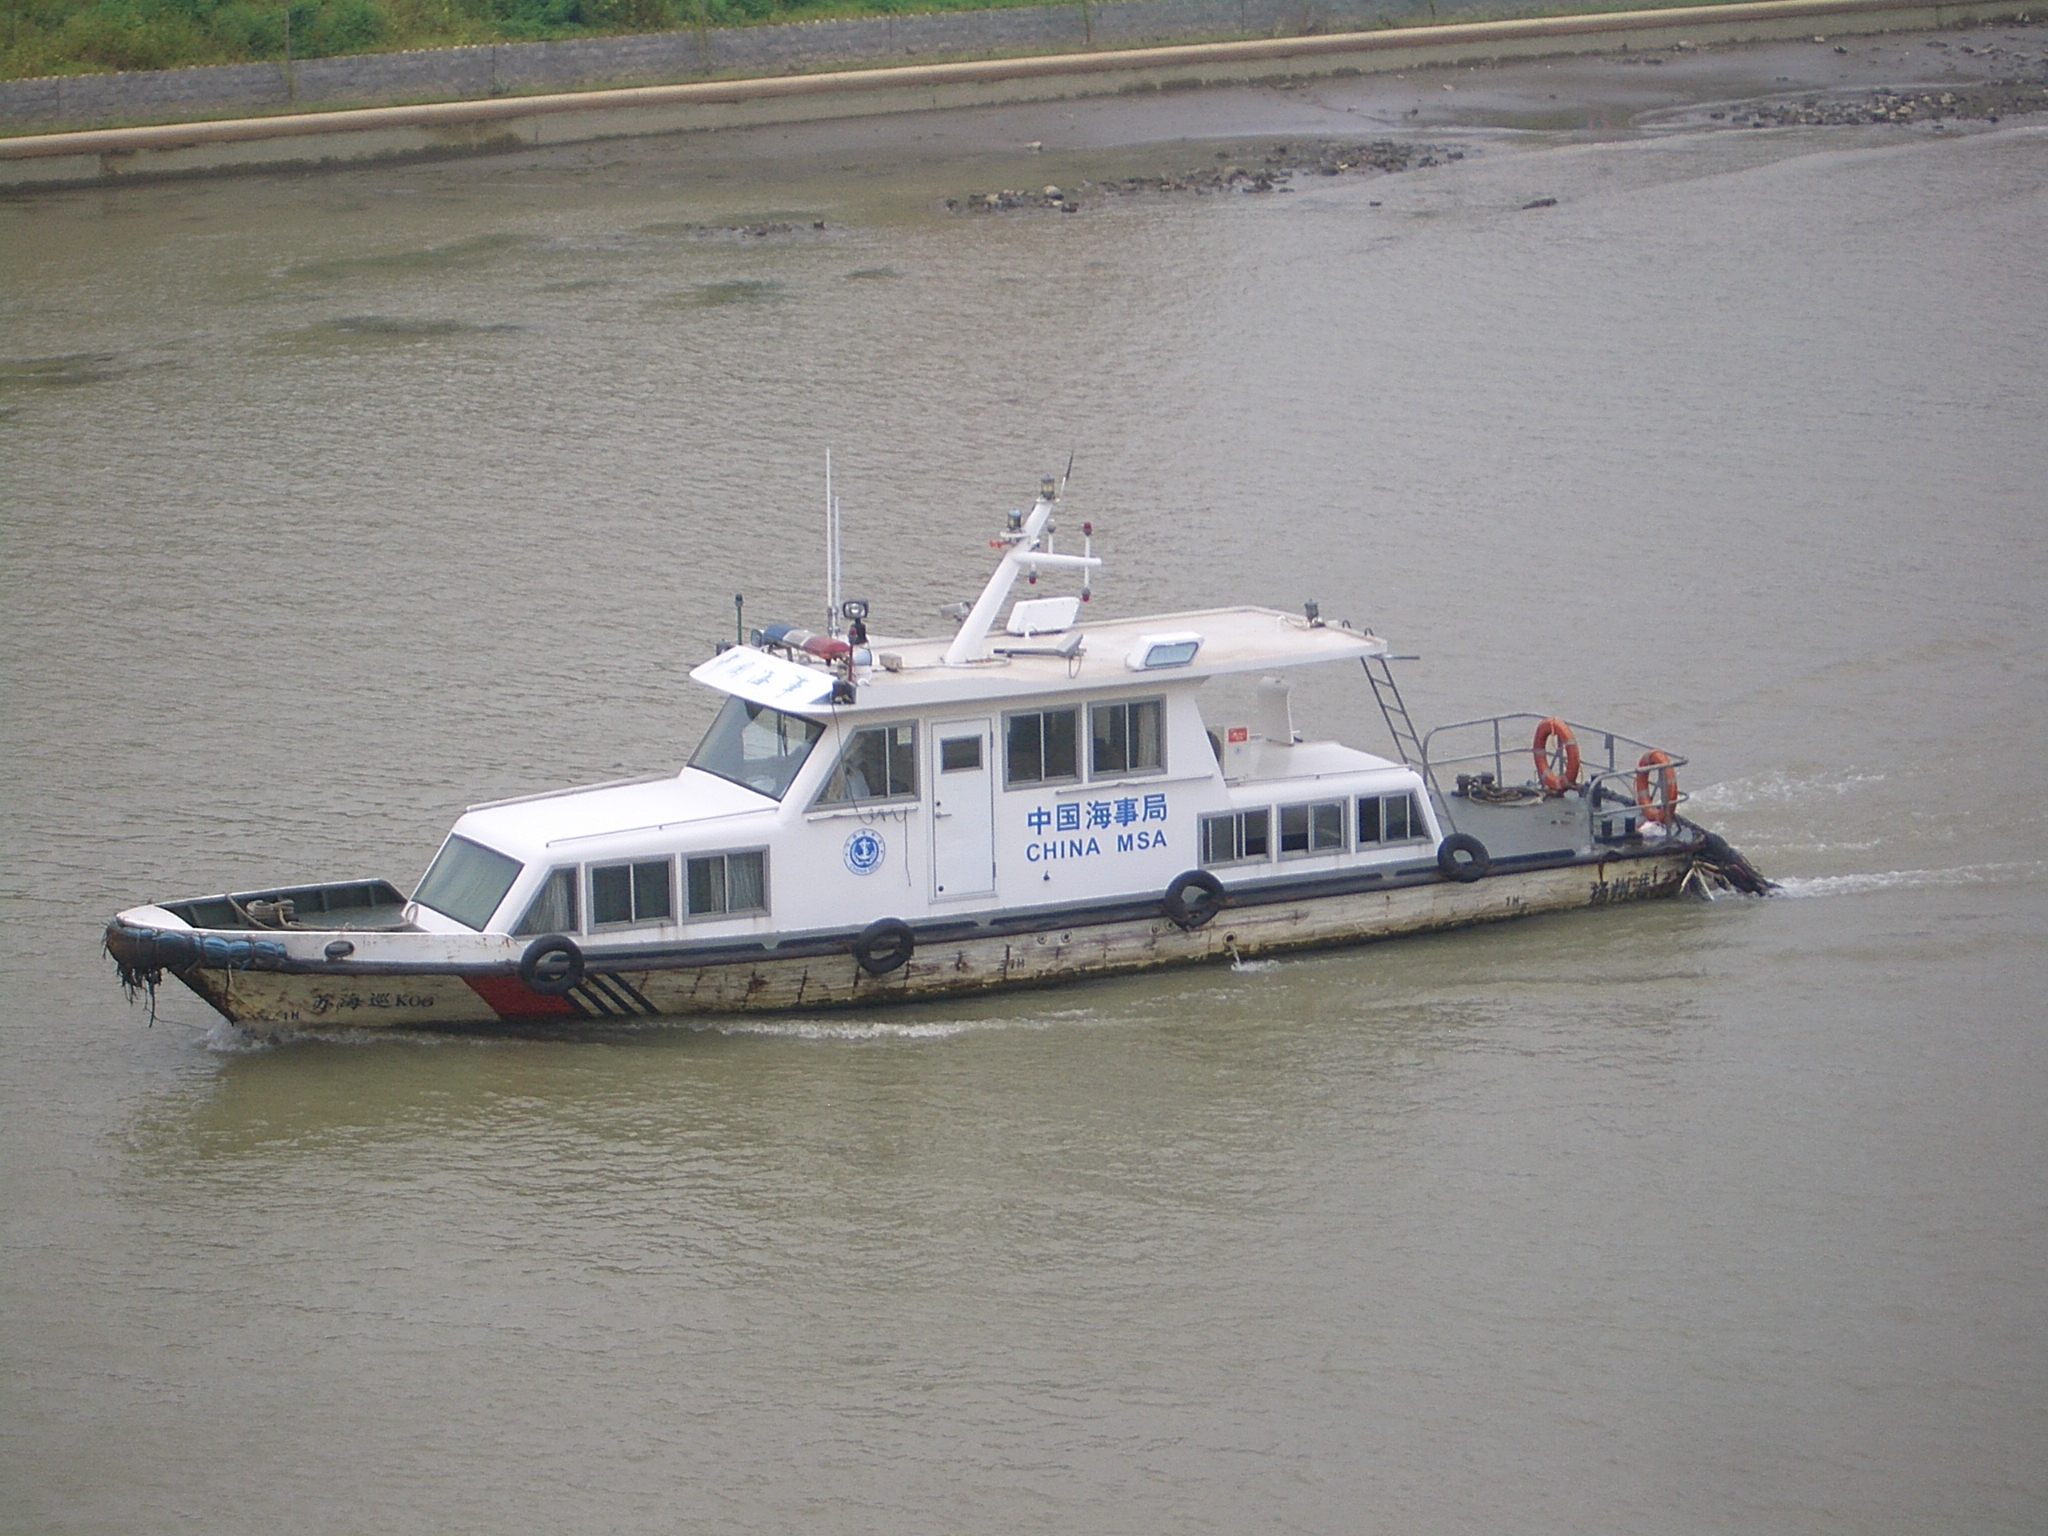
pixel 333 503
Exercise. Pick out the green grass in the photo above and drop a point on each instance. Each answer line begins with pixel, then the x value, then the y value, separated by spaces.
pixel 69 37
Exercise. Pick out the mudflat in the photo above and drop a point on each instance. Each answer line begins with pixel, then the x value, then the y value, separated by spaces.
pixel 1062 155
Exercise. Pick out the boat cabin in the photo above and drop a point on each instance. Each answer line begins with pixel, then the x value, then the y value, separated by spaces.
pixel 1049 766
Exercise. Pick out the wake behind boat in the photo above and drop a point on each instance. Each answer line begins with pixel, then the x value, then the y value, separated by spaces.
pixel 868 821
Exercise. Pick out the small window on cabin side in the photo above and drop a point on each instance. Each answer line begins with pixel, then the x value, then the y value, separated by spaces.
pixel 1388 819
pixel 1312 828
pixel 1398 821
pixel 959 754
pixel 722 884
pixel 1236 837
pixel 630 893
pixel 1041 747
pixel 878 764
pixel 553 910
pixel 1125 738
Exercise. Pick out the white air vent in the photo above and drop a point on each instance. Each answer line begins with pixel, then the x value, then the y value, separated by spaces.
pixel 1043 615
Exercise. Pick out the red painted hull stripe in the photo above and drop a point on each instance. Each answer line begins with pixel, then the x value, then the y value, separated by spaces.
pixel 511 998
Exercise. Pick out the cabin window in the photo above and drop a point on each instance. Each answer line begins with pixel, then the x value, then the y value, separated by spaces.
pixel 1312 828
pixel 1389 819
pixel 1126 738
pixel 878 764
pixel 467 881
pixel 725 883
pixel 1041 746
pixel 631 893
pixel 960 754
pixel 554 909
pixel 756 746
pixel 1238 836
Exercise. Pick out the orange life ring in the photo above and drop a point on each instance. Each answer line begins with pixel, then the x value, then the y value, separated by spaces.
pixel 1657 787
pixel 1557 755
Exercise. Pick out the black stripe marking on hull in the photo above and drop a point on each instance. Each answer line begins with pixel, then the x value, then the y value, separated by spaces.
pixel 607 997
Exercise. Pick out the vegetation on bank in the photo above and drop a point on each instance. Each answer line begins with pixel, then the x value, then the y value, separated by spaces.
pixel 67 37
pixel 77 37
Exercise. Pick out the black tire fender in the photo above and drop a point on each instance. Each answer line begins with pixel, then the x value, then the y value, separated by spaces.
pixel 1192 914
pixel 884 945
pixel 1463 858
pixel 552 965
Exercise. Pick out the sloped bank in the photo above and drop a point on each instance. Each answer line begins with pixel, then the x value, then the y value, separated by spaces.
pixel 136 97
pixel 514 123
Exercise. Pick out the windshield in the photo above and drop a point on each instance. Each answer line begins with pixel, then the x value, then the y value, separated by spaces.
pixel 467 882
pixel 759 747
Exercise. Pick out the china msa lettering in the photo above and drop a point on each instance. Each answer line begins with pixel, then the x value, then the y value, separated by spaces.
pixel 1088 816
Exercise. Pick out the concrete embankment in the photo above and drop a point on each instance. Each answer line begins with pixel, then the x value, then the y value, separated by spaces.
pixel 131 98
pixel 509 123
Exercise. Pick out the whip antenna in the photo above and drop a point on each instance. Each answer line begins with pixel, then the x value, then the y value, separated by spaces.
pixel 832 551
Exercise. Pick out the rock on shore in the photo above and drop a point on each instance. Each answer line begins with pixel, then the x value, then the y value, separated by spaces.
pixel 1268 168
pixel 1983 103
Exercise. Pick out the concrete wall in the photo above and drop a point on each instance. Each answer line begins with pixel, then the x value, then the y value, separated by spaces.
pixel 455 74
pixel 364 135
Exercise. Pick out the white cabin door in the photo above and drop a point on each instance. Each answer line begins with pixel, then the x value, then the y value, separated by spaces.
pixel 963 809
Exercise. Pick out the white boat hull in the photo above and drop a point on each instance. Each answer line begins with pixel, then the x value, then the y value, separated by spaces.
pixel 486 991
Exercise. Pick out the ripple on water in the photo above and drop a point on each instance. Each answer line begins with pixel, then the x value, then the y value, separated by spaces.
pixel 384 330
pixel 719 295
pixel 1908 879
pixel 68 371
pixel 1779 788
pixel 433 258
pixel 777 228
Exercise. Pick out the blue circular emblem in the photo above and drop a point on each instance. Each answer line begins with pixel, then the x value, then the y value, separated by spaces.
pixel 865 851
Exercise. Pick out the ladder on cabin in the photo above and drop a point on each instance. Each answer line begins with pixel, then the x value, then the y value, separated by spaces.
pixel 1395 710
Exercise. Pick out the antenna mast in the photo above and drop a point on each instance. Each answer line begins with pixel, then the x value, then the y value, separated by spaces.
pixel 832 551
pixel 1026 548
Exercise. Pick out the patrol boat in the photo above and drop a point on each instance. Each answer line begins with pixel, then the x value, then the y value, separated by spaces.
pixel 1016 804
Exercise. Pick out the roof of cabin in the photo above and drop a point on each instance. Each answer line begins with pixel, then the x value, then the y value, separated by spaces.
pixel 1234 640
pixel 533 824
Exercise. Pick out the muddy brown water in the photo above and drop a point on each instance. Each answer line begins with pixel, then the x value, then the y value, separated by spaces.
pixel 333 503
